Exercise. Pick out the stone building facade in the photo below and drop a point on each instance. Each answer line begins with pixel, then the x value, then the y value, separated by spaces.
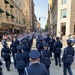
pixel 63 16
pixel 15 15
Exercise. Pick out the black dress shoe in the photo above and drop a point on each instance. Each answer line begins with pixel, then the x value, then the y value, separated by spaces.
pixel 56 64
pixel 60 65
pixel 8 69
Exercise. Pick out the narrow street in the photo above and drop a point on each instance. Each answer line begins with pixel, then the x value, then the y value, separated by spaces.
pixel 54 70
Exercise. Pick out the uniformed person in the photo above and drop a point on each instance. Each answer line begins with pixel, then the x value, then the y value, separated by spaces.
pixel 20 60
pixel 35 68
pixel 26 50
pixel 51 45
pixel 57 51
pixel 13 50
pixel 16 42
pixel 30 41
pixel 68 58
pixel 48 38
pixel 45 57
pixel 37 42
pixel 40 45
pixel 5 53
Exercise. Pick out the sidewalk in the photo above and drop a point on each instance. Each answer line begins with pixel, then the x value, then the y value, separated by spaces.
pixel 56 70
pixel 12 71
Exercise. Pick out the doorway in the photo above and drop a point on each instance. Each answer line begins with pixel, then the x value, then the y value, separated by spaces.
pixel 63 29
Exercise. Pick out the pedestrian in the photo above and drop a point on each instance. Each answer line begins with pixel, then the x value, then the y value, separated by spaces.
pixel 45 57
pixel 40 45
pixel 48 38
pixel 26 50
pixel 16 42
pixel 5 53
pixel 20 60
pixel 35 68
pixel 13 50
pixel 51 44
pixel 57 51
pixel 68 58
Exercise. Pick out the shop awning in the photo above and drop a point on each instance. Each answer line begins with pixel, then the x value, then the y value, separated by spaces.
pixel 7 14
pixel 11 6
pixel 12 16
pixel 6 1
pixel 1 10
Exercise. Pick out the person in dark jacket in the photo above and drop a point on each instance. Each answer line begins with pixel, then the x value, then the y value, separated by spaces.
pixel 35 68
pixel 13 50
pixel 20 60
pixel 45 57
pixel 51 45
pixel 68 58
pixel 40 45
pixel 48 38
pixel 5 53
pixel 16 42
pixel 26 50
pixel 57 51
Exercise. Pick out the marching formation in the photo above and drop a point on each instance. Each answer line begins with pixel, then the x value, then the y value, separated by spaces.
pixel 37 62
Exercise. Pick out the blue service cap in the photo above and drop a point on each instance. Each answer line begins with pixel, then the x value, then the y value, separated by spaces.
pixel 41 39
pixel 26 38
pixel 45 44
pixel 69 41
pixel 19 47
pixel 24 41
pixel 34 54
pixel 5 44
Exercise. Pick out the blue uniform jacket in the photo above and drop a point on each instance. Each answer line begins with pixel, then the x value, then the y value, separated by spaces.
pixel 20 60
pixel 36 69
pixel 68 54
pixel 45 57
pixel 40 47
pixel 17 42
pixel 47 39
pixel 5 52
pixel 26 48
pixel 13 48
pixel 58 46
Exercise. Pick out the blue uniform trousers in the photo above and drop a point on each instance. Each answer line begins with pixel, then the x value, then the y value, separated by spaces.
pixel 7 62
pixel 20 71
pixel 13 54
pixel 57 58
pixel 48 69
pixel 66 66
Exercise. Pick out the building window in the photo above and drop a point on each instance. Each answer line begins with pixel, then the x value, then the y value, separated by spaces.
pixel 64 13
pixel 64 1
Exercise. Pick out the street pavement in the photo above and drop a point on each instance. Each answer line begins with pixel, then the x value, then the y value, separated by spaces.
pixel 54 70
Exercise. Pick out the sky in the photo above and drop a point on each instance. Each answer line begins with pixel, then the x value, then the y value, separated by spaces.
pixel 41 10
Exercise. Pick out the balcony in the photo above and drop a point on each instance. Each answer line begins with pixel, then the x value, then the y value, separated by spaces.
pixel 1 10
pixel 11 6
pixel 7 14
pixel 6 1
pixel 12 16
